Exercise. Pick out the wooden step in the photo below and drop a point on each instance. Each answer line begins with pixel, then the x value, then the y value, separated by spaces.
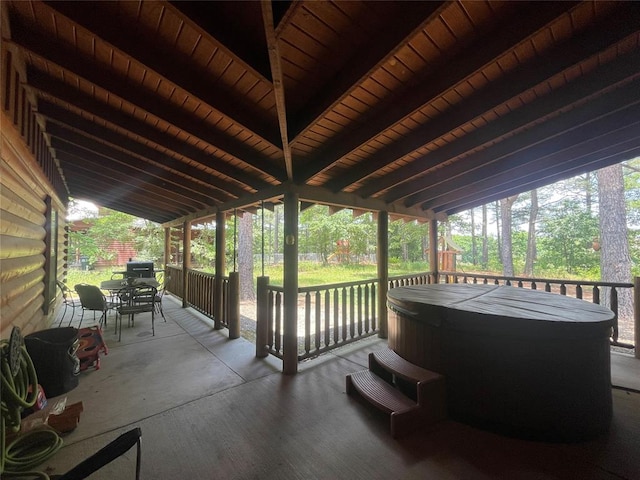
pixel 394 364
pixel 405 414
pixel 426 388
pixel 378 392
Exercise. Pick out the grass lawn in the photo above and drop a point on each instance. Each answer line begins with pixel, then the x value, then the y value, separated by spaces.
pixel 310 273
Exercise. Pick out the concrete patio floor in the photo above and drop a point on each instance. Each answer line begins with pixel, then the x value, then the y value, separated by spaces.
pixel 209 409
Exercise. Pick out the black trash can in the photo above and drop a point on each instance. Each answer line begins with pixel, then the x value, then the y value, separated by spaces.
pixel 53 353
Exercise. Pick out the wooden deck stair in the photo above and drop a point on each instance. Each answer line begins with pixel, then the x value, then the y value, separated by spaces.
pixel 413 396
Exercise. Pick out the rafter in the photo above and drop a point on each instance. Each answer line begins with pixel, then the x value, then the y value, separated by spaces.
pixel 278 83
pixel 519 81
pixel 43 83
pixel 112 82
pixel 431 85
pixel 174 67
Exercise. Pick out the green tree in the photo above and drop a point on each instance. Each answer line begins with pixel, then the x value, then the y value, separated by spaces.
pixel 566 233
pixel 101 232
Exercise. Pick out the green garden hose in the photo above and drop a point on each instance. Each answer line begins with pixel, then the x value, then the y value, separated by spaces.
pixel 19 392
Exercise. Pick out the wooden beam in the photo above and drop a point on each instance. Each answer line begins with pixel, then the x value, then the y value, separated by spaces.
pixel 175 68
pixel 517 82
pixel 50 86
pixel 136 168
pixel 278 83
pixel 603 78
pixel 433 83
pixel 108 80
pixel 576 126
pixel 220 269
pixel 410 17
pixel 382 261
pixel 159 163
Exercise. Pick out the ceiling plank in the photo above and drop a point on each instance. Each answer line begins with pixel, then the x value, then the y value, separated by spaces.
pixel 608 76
pixel 78 158
pixel 430 86
pixel 43 83
pixel 612 156
pixel 517 82
pixel 596 118
pixel 102 135
pixel 216 25
pixel 136 169
pixel 411 16
pixel 172 66
pixel 154 104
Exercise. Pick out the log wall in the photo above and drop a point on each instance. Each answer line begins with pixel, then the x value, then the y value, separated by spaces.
pixel 30 181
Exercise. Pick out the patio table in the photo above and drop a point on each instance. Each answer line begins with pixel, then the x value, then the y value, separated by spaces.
pixel 523 362
pixel 114 287
pixel 117 284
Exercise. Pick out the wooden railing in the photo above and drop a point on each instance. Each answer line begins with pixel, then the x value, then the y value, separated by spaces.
pixel 201 292
pixel 329 316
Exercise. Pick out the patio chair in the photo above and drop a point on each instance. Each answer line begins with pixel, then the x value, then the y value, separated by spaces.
pixel 92 299
pixel 160 295
pixel 106 455
pixel 136 299
pixel 68 300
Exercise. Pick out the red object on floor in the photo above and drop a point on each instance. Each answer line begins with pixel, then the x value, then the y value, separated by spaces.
pixel 91 344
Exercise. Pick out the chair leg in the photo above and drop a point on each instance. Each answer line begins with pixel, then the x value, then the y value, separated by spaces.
pixel 63 314
pixel 153 327
pixel 159 305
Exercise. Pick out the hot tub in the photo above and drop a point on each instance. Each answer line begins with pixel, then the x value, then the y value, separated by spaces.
pixel 522 362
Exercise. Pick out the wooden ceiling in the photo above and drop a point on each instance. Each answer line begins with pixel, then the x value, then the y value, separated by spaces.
pixel 173 110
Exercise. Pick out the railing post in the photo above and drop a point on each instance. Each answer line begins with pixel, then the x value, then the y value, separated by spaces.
pixel 262 317
pixel 636 314
pixel 234 305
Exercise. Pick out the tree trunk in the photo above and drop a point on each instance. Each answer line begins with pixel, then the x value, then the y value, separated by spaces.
pixel 485 239
pixel 474 257
pixel 276 234
pixel 531 238
pixel 615 261
pixel 245 257
pixel 507 252
pixel 497 207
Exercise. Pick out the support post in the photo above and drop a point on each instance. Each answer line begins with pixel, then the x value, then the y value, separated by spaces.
pixel 290 340
pixel 636 314
pixel 167 249
pixel 382 257
pixel 220 267
pixel 186 261
pixel 234 305
pixel 433 250
pixel 262 317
